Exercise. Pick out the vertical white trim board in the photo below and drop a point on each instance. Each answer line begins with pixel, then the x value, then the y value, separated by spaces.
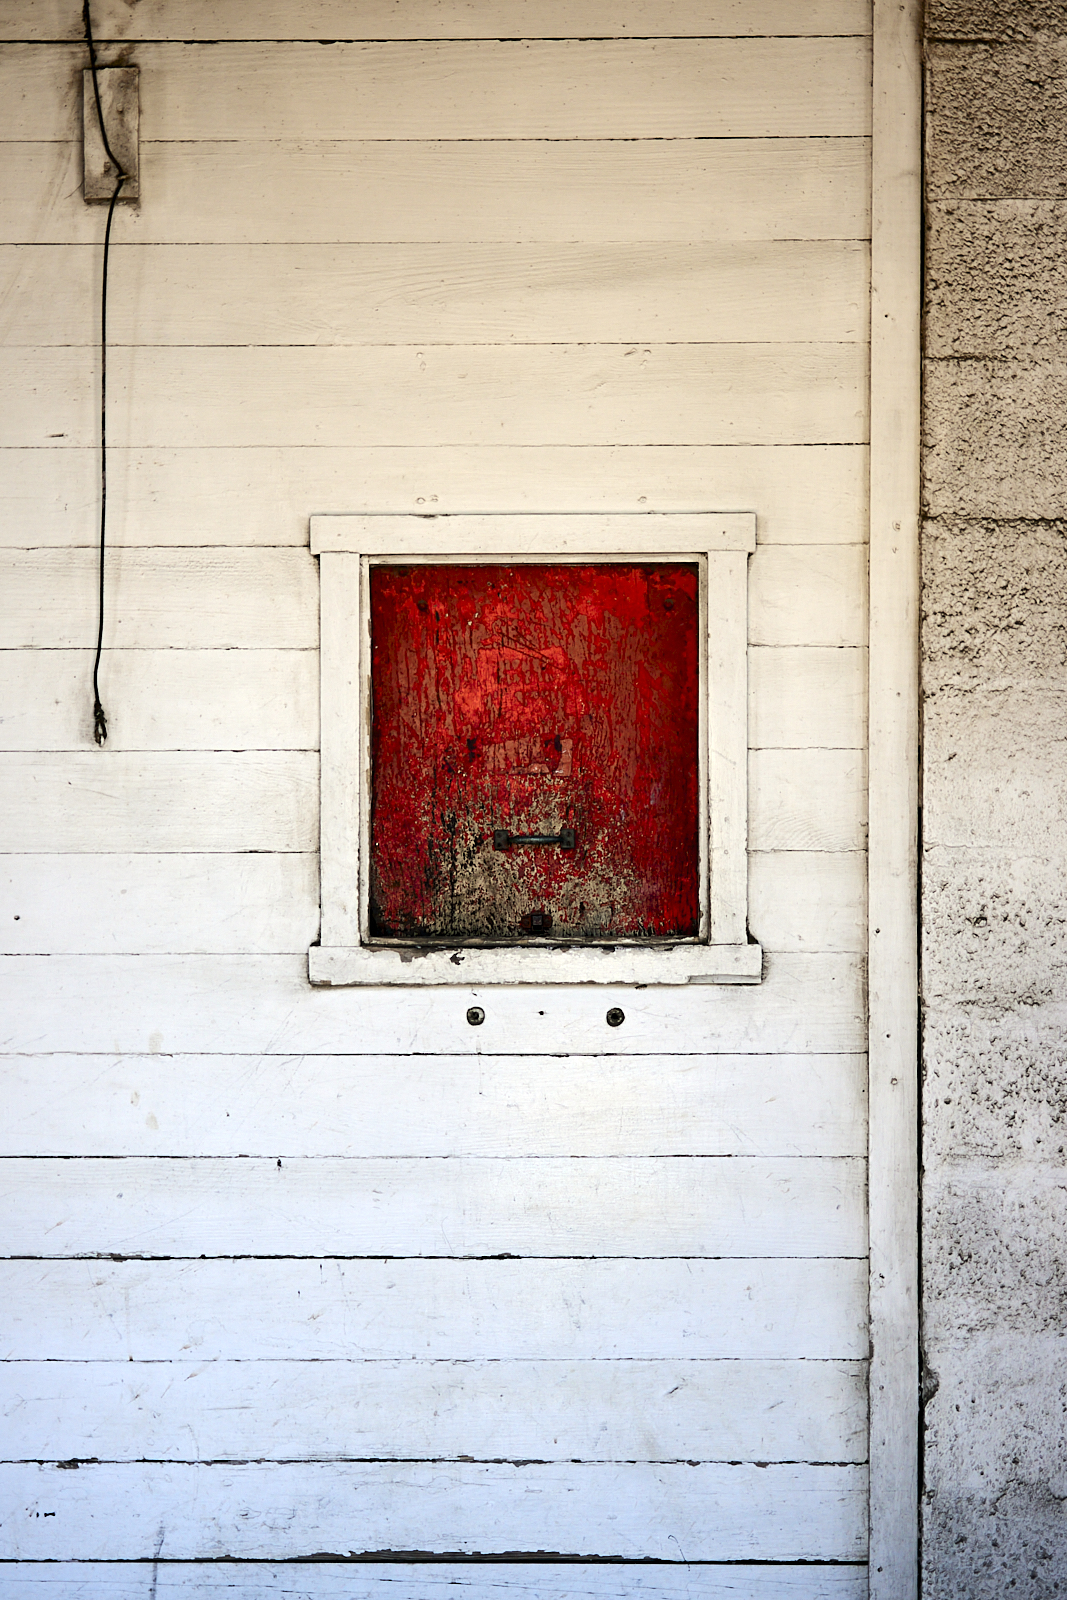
pixel 893 797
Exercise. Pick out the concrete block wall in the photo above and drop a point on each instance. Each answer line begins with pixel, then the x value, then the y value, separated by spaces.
pixel 995 801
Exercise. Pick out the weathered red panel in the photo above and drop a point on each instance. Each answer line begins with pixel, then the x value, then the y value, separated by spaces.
pixel 530 699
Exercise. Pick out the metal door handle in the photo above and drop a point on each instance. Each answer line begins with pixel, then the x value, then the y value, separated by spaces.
pixel 566 838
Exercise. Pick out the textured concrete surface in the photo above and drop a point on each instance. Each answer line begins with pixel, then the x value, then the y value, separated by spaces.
pixel 995 803
pixel 994 19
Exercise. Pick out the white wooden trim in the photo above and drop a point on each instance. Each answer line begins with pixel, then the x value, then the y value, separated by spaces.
pixel 894 596
pixel 339 778
pixel 721 543
pixel 540 535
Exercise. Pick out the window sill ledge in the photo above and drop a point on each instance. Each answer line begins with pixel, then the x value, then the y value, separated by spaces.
pixel 480 967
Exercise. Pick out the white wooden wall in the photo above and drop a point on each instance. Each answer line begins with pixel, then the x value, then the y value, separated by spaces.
pixel 291 1273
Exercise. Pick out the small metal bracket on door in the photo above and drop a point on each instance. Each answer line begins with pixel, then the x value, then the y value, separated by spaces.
pixel 566 838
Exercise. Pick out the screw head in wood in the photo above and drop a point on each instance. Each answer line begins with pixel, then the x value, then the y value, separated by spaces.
pixel 475 1016
pixel 616 1017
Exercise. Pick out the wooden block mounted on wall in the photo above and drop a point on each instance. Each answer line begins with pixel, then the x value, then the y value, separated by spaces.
pixel 120 108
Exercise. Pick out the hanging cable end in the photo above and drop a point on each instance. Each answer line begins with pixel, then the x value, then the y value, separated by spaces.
pixel 99 722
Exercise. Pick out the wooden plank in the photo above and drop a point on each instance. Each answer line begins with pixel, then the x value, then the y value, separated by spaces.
pixel 86 1580
pixel 808 902
pixel 814 1411
pixel 447 394
pixel 50 20
pixel 614 1509
pixel 341 1105
pixel 802 495
pixel 149 904
pixel 726 749
pixel 161 801
pixel 894 757
pixel 157 1207
pixel 814 696
pixel 689 190
pixel 342 780
pixel 458 89
pixel 440 1310
pixel 807 800
pixel 811 596
pixel 223 1004
pixel 161 700
pixel 212 599
pixel 320 294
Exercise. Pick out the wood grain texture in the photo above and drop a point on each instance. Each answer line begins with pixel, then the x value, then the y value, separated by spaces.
pixel 209 599
pixel 812 1411
pixel 807 800
pixel 434 1310
pixel 450 394
pixel 49 20
pixel 146 904
pixel 690 190
pixel 161 801
pixel 341 1105
pixel 268 294
pixel 474 1206
pixel 811 596
pixel 895 799
pixel 800 901
pixel 813 696
pixel 223 1004
pixel 161 699
pixel 458 89
pixel 627 1509
pixel 225 497
pixel 436 1581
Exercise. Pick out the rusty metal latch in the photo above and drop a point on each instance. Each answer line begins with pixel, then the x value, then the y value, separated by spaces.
pixel 566 838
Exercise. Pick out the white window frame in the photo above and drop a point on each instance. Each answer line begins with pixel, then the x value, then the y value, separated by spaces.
pixel 347 546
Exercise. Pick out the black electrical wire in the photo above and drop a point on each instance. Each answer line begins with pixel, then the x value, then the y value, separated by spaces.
pixel 99 718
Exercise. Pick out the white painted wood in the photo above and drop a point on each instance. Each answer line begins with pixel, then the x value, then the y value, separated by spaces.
pixel 222 1004
pixel 342 769
pixel 157 904
pixel 210 599
pixel 687 190
pixel 722 543
pixel 342 1105
pixel 476 1206
pixel 263 1310
pixel 49 20
pixel 894 754
pixel 436 1310
pixel 808 696
pixel 726 731
pixel 815 595
pixel 513 535
pixel 459 89
pixel 808 495
pixel 430 1580
pixel 533 964
pixel 811 1411
pixel 286 1510
pixel 161 699
pixel 808 799
pixel 446 395
pixel 160 801
pixel 445 294
pixel 800 901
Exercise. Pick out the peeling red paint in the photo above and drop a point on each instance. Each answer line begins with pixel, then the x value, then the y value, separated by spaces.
pixel 531 698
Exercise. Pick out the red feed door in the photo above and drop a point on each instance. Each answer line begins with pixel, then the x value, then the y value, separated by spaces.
pixel 534 752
